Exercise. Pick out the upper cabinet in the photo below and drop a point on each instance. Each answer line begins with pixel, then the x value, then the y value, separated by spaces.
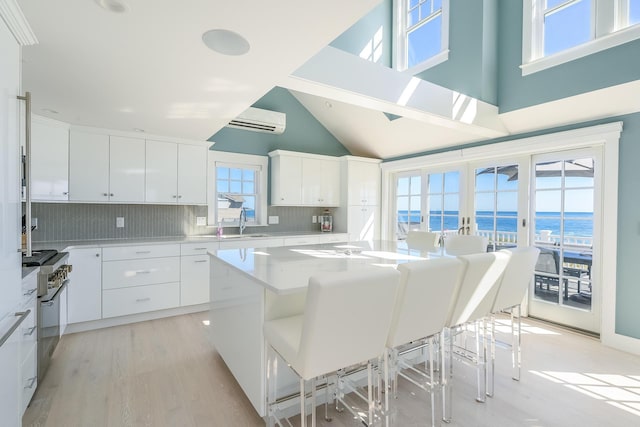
pixel 362 179
pixel 105 168
pixel 299 179
pixel 49 160
pixel 176 173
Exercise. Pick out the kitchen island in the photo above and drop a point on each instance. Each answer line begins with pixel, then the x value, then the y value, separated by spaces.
pixel 252 285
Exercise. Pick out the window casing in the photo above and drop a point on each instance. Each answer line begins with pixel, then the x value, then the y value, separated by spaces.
pixel 421 34
pixel 237 181
pixel 559 31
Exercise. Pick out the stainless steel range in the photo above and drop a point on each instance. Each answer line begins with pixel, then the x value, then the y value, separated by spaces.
pixel 54 275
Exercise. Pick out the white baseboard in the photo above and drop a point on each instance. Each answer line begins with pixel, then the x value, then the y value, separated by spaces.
pixel 621 342
pixel 133 318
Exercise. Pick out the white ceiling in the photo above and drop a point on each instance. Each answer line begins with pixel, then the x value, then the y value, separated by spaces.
pixel 149 69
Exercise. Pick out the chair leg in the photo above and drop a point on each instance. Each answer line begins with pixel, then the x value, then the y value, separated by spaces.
pixel 516 332
pixel 446 346
pixel 303 403
pixel 326 402
pixel 272 370
pixel 433 382
pixel 370 400
pixel 491 359
pixel 313 402
pixel 480 363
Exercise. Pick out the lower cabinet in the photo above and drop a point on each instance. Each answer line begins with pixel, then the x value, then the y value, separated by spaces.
pixel 84 293
pixel 194 280
pixel 27 334
pixel 140 299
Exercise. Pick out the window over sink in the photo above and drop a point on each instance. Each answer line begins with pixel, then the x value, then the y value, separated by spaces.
pixel 237 182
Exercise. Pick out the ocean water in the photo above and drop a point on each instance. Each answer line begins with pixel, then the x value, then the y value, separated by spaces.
pixel 575 223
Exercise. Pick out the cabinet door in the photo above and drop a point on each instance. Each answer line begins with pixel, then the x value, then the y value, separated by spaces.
pixel 330 193
pixel 84 293
pixel 126 169
pixel 194 280
pixel 312 176
pixel 363 222
pixel 363 183
pixel 49 161
pixel 161 172
pixel 192 175
pixel 286 180
pixel 88 167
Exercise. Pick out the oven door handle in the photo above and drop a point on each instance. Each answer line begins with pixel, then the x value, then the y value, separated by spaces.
pixel 23 315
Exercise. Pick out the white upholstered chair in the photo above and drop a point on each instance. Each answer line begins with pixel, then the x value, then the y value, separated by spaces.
pixel 473 302
pixel 422 240
pixel 461 244
pixel 515 283
pixel 421 309
pixel 345 322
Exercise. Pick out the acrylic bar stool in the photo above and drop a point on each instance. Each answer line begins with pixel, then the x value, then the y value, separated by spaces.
pixel 421 240
pixel 422 303
pixel 461 244
pixel 345 322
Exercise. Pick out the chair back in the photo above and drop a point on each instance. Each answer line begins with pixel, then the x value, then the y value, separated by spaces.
pixel 548 261
pixel 424 295
pixel 460 244
pixel 421 240
pixel 517 277
pixel 477 292
pixel 346 319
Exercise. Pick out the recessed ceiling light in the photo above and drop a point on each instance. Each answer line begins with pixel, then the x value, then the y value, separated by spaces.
pixel 138 130
pixel 49 110
pixel 226 42
pixel 115 6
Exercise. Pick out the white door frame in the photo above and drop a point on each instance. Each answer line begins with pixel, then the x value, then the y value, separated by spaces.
pixel 607 136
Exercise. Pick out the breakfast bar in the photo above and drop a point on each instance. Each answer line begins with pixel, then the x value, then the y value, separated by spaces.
pixel 252 285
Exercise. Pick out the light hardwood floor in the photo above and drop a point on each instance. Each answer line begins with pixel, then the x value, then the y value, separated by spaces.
pixel 166 373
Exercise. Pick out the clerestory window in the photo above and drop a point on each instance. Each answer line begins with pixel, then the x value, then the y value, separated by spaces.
pixel 422 34
pixel 558 31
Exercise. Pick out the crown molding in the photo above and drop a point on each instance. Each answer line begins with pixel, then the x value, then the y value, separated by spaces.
pixel 15 20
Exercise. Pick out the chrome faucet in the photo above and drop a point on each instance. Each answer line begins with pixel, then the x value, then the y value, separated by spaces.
pixel 243 219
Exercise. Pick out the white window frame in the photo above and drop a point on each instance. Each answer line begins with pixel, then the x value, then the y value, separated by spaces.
pixel 400 39
pixel 246 161
pixel 609 20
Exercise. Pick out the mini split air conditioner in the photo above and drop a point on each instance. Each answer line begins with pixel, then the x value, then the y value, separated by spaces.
pixel 259 120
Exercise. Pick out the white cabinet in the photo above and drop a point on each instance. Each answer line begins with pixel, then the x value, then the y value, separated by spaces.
pixel 105 168
pixel 286 180
pixel 363 222
pixel 299 179
pixel 192 174
pixel 175 173
pixel 49 160
pixel 361 177
pixel 28 341
pixel 88 167
pixel 194 272
pixel 362 180
pixel 126 169
pixel 84 293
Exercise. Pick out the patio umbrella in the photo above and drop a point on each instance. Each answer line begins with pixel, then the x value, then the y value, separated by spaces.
pixel 580 168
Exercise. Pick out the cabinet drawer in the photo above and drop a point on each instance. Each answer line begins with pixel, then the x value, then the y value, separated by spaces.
pixel 29 287
pixel 197 248
pixel 28 334
pixel 301 240
pixel 29 378
pixel 332 238
pixel 137 252
pixel 250 243
pixel 140 299
pixel 122 274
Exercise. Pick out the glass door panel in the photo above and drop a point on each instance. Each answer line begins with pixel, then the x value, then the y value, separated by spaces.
pixel 443 202
pixel 408 204
pixel 563 211
pixel 496 205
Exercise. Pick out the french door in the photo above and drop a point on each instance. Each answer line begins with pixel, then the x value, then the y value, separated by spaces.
pixel 565 212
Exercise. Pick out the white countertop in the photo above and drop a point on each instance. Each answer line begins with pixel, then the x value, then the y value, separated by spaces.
pixel 287 269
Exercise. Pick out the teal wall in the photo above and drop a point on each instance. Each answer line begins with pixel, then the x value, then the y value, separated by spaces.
pixel 303 132
pixel 472 65
pixel 611 67
pixel 362 32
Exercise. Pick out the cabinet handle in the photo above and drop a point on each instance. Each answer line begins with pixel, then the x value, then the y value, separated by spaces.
pixel 143 271
pixel 32 382
pixel 281 198
pixel 143 299
pixel 97 255
pixel 105 194
pixel 201 260
pixel 111 194
pixel 30 292
pixel 30 331
pixel 47 303
pixel 180 197
pixel 199 249
pixel 143 252
pixel 65 193
pixel 174 196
